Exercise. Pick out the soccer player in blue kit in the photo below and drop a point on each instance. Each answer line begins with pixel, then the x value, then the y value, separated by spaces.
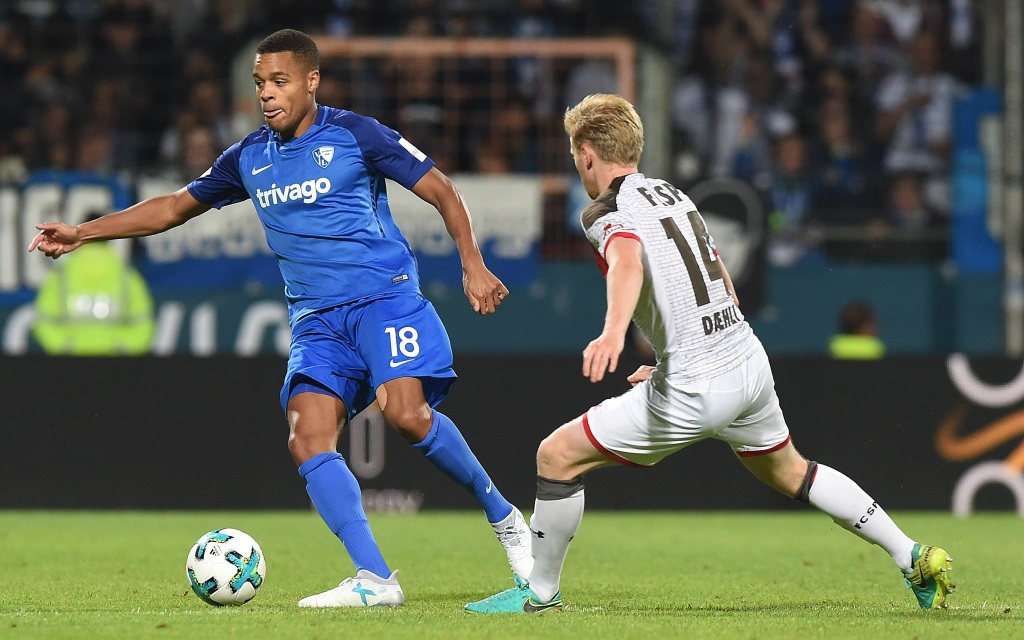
pixel 360 327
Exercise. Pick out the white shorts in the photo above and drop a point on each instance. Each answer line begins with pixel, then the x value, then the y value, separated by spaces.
pixel 656 417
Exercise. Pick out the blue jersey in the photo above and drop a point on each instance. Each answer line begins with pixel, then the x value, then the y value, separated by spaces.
pixel 324 207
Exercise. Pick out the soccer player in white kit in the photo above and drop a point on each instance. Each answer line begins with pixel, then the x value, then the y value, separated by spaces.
pixel 712 378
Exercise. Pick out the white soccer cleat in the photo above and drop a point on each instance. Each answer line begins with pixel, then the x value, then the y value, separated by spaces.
pixel 366 589
pixel 515 535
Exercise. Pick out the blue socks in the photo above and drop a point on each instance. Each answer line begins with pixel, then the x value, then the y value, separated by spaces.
pixel 447 449
pixel 335 494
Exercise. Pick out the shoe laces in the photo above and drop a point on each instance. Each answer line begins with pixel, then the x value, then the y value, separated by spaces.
pixel 510 535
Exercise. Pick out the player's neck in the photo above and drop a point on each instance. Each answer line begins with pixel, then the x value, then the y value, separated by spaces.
pixel 304 125
pixel 607 173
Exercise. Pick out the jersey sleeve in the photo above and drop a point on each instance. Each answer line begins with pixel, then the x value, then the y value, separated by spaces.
pixel 389 153
pixel 221 185
pixel 611 225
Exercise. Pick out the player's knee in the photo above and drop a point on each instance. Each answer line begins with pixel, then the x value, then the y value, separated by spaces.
pixel 412 422
pixel 302 447
pixel 304 443
pixel 553 459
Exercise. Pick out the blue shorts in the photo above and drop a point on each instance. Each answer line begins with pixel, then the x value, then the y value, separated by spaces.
pixel 352 349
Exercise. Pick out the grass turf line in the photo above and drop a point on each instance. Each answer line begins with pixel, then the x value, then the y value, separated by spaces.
pixel 111 575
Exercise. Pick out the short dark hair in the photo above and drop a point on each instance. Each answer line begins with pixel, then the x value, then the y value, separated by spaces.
pixel 293 41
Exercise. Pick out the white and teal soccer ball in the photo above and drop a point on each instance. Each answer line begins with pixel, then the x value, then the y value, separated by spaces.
pixel 226 566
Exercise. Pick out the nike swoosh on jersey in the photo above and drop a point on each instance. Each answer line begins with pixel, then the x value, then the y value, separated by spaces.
pixel 261 169
pixel 399 363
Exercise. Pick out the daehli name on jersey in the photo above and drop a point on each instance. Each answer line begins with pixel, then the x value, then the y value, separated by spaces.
pixel 720 320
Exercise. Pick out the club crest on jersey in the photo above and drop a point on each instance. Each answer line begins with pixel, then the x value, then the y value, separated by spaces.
pixel 323 156
pixel 610 229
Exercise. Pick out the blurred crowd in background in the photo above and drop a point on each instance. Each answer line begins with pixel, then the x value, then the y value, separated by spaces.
pixel 838 111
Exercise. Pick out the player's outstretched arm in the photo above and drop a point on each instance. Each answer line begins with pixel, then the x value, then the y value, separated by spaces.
pixel 143 219
pixel 624 280
pixel 484 290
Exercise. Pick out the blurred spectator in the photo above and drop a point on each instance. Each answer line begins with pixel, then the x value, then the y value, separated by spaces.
pixel 793 190
pixel 907 18
pixel 707 104
pixel 770 26
pixel 763 117
pixel 205 108
pixel 867 53
pixel 416 90
pixel 916 230
pixel 96 151
pixel 199 149
pixel 534 77
pixel 53 139
pixel 845 194
pixel 511 143
pixel 858 334
pixel 131 48
pixel 331 92
pixel 93 303
pixel 915 117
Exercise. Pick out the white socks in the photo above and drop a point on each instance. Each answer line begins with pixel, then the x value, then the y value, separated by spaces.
pixel 554 523
pixel 853 509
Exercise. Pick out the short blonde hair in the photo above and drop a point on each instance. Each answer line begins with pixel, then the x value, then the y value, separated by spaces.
pixel 610 125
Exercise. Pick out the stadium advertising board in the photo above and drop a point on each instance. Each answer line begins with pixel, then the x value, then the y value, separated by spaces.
pixel 170 422
pixel 226 249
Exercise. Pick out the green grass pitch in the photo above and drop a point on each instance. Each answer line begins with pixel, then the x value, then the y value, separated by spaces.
pixel 753 575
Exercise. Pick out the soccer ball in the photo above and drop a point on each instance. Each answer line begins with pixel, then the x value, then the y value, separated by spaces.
pixel 226 566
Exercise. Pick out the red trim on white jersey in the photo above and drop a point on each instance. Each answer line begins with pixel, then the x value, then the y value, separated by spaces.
pixel 600 447
pixel 621 234
pixel 602 264
pixel 751 454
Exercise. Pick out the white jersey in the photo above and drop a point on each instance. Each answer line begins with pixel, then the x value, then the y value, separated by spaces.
pixel 685 309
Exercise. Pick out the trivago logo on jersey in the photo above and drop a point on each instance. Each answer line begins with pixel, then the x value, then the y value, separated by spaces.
pixel 307 191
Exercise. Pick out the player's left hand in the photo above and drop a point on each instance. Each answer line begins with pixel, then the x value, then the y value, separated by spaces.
pixel 55 239
pixel 641 374
pixel 484 290
pixel 602 355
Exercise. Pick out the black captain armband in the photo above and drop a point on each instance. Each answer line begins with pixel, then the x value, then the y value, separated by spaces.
pixel 558 489
pixel 804 493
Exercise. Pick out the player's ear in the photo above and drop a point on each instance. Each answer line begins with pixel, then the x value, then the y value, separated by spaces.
pixel 314 80
pixel 588 156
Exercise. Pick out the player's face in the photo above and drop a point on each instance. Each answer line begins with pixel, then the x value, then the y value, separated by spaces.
pixel 585 167
pixel 286 88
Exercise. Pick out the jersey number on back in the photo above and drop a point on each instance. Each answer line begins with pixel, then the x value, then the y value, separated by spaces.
pixel 711 262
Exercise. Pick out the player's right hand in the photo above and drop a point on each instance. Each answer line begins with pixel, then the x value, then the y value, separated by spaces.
pixel 641 374
pixel 602 355
pixel 55 239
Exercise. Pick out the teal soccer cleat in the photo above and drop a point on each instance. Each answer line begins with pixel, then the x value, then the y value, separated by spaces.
pixel 519 599
pixel 929 576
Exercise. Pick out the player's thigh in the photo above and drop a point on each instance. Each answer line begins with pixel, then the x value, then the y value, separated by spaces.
pixel 315 413
pixel 401 336
pixel 568 453
pixel 783 469
pixel 645 424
